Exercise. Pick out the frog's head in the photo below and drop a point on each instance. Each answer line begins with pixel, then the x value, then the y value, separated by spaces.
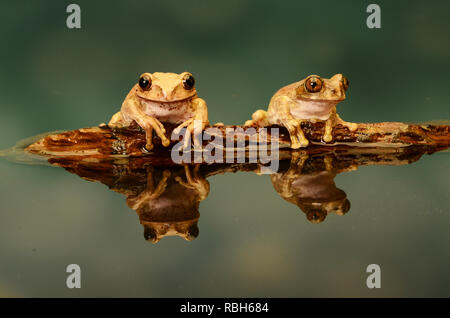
pixel 155 231
pixel 316 88
pixel 316 212
pixel 165 87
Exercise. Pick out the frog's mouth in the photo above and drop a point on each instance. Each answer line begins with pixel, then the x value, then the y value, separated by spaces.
pixel 164 101
pixel 324 101
pixel 165 106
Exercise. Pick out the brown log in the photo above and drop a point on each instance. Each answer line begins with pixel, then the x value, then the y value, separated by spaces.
pixel 129 173
pixel 101 142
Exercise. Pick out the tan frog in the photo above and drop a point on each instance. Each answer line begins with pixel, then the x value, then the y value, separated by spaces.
pixel 160 98
pixel 314 191
pixel 170 206
pixel 312 99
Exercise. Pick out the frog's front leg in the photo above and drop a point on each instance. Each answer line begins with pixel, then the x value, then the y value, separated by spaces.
pixel 132 109
pixel 280 109
pixel 350 126
pixel 196 124
pixel 329 125
pixel 150 192
pixel 195 182
pixel 298 159
pixel 332 121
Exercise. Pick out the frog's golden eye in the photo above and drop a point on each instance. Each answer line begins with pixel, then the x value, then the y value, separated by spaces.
pixel 313 84
pixel 345 83
pixel 188 82
pixel 145 82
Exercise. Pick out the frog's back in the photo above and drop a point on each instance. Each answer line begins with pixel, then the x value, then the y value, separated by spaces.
pixel 286 90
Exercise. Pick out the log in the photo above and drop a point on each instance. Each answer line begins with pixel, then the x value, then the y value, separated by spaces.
pixel 128 175
pixel 101 142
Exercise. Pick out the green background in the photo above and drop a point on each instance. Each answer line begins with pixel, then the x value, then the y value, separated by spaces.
pixel 251 243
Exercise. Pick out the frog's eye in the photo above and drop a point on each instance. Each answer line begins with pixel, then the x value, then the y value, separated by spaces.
pixel 345 83
pixel 150 234
pixel 192 232
pixel 316 216
pixel 145 82
pixel 313 84
pixel 188 82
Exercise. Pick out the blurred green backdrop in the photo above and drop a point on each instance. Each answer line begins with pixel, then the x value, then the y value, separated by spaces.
pixel 240 52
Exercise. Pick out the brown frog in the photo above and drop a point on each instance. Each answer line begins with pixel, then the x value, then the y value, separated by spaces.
pixel 160 98
pixel 171 207
pixel 314 192
pixel 311 99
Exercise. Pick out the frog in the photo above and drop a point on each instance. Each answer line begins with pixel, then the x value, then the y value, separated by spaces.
pixel 309 100
pixel 170 206
pixel 161 98
pixel 313 191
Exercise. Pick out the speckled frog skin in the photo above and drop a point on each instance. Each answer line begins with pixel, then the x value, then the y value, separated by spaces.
pixel 160 98
pixel 311 99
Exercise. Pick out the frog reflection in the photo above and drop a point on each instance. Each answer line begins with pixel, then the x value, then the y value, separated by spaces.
pixel 312 188
pixel 169 204
pixel 167 199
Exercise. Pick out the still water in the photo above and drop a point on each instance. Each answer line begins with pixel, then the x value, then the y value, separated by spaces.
pixel 221 231
pixel 251 241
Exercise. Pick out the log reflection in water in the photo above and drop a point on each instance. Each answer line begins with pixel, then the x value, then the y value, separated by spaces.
pixel 166 197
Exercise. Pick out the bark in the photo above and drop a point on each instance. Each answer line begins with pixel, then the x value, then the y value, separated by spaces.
pixel 103 142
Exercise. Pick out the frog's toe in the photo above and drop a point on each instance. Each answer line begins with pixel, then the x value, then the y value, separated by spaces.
pixel 248 123
pixel 352 126
pixel 148 147
pixel 296 144
pixel 327 138
pixel 165 142
pixel 304 143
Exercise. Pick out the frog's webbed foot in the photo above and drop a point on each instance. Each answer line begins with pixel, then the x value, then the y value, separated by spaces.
pixel 195 181
pixel 194 127
pixel 298 139
pixel 131 111
pixel 151 124
pixel 350 126
pixel 327 136
pixel 150 192
pixel 298 159
pixel 331 122
pixel 329 125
